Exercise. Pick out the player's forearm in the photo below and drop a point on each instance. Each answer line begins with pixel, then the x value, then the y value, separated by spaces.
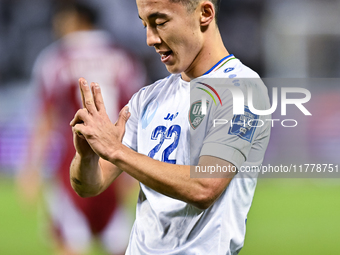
pixel 86 176
pixel 168 179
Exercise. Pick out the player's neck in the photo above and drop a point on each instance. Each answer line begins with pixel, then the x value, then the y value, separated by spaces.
pixel 212 51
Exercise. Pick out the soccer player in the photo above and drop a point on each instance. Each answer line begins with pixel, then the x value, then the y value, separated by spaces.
pixel 81 50
pixel 150 141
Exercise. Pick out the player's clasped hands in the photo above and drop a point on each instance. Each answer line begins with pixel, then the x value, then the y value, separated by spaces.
pixel 93 131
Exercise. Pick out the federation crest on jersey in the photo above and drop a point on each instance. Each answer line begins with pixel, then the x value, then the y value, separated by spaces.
pixel 195 114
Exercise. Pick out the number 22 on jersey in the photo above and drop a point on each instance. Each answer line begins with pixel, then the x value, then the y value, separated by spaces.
pixel 164 133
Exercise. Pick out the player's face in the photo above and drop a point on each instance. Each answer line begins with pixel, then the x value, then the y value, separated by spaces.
pixel 173 31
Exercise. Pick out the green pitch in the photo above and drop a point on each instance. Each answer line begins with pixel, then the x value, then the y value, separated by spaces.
pixel 18 227
pixel 288 216
pixel 294 216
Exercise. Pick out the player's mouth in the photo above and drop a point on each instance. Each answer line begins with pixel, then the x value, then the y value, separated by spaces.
pixel 165 55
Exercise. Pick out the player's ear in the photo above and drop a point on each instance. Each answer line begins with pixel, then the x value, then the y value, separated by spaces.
pixel 207 13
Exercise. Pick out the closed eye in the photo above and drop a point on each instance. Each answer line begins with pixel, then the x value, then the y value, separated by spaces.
pixel 161 24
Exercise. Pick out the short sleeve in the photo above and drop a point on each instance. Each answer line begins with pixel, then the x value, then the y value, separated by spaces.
pixel 231 137
pixel 131 127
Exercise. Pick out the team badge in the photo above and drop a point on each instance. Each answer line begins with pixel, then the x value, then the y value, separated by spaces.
pixel 195 114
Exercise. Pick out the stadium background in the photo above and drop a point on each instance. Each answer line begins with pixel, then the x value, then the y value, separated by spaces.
pixel 278 39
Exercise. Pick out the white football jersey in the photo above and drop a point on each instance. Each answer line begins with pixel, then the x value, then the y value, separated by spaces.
pixel 162 123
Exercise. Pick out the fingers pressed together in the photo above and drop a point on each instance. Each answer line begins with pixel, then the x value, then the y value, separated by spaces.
pixel 93 104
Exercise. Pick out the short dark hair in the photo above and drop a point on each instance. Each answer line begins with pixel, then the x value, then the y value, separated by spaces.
pixel 85 11
pixel 192 4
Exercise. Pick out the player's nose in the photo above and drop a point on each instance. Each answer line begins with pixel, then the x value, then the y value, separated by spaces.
pixel 152 37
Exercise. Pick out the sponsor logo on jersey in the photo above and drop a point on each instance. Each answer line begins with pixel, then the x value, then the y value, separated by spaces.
pixel 149 113
pixel 229 69
pixel 171 116
pixel 244 126
pixel 195 114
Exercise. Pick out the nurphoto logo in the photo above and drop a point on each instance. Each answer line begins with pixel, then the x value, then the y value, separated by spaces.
pixel 240 107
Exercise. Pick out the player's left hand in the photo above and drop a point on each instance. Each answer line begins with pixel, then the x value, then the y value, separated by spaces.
pixel 93 123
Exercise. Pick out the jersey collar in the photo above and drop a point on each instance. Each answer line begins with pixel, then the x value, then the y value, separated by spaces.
pixel 220 63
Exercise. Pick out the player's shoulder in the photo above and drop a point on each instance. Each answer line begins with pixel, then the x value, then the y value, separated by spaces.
pixel 241 78
pixel 48 60
pixel 149 93
pixel 49 53
pixel 239 75
pixel 158 86
pixel 235 69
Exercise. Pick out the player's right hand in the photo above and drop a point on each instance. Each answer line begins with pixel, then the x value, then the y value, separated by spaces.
pixel 80 144
pixel 93 123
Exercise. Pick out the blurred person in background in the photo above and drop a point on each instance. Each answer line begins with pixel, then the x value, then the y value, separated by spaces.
pixel 81 51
